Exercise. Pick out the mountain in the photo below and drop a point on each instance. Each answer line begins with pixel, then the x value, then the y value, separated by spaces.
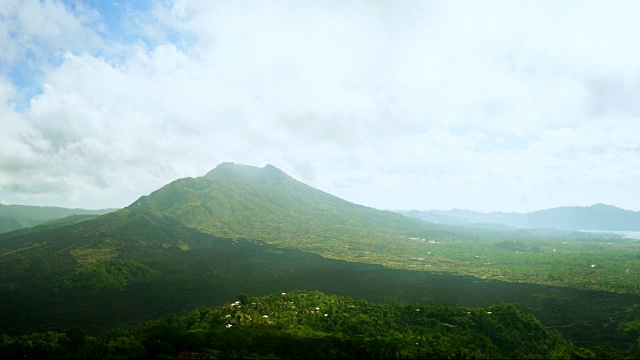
pixel 15 217
pixel 239 201
pixel 599 217
pixel 179 245
pixel 241 229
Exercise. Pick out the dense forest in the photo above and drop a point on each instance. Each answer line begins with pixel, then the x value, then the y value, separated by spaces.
pixel 303 324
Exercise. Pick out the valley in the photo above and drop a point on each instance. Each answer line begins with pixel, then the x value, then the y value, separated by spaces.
pixel 199 242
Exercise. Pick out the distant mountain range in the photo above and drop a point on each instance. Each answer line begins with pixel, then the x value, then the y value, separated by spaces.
pixel 16 217
pixel 599 217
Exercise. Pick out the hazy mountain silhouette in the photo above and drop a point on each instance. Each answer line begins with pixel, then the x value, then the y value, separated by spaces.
pixel 16 217
pixel 599 217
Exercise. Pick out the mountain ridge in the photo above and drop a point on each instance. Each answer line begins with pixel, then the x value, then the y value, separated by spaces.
pixel 599 216
pixel 16 217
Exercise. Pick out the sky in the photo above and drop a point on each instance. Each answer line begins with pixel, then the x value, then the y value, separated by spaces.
pixel 483 105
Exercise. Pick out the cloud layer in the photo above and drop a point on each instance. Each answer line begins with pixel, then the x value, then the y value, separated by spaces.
pixel 482 105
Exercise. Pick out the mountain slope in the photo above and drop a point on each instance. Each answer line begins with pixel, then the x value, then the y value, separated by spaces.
pixel 15 217
pixel 232 201
pixel 187 225
pixel 239 201
pixel 596 217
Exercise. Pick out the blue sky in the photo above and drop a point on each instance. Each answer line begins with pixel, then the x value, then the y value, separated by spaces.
pixel 115 15
pixel 492 105
pixel 113 21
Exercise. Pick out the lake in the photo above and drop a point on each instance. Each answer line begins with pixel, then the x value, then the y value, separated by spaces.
pixel 625 234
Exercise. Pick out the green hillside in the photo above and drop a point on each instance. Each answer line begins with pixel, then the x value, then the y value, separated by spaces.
pixel 239 201
pixel 16 217
pixel 201 241
pixel 265 205
pixel 312 325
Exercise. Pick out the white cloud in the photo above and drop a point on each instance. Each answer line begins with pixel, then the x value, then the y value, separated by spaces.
pixel 32 30
pixel 416 105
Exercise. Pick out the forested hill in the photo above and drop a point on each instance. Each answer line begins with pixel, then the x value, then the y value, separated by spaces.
pixel 302 325
pixel 15 217
pixel 240 201
pixel 596 217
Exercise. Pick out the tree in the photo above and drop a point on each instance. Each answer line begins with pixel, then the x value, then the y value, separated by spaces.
pixel 244 299
pixel 75 338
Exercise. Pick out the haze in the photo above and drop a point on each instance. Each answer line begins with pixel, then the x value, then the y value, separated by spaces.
pixel 492 105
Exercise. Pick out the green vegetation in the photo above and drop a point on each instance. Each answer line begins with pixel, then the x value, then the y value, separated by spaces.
pixel 200 241
pixel 237 202
pixel 244 202
pixel 16 217
pixel 312 325
pixel 632 327
pixel 215 270
pixel 91 256
pixel 584 261
pixel 111 275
